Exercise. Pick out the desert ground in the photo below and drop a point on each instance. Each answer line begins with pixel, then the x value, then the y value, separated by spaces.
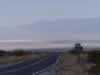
pixel 68 64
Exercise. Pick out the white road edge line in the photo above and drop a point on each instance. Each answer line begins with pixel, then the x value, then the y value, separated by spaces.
pixel 24 67
pixel 48 67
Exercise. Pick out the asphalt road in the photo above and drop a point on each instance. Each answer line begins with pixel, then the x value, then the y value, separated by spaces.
pixel 31 66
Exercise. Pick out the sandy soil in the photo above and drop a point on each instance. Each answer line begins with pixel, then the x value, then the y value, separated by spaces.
pixel 69 65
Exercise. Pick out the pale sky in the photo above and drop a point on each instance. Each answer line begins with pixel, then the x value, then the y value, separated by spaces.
pixel 49 19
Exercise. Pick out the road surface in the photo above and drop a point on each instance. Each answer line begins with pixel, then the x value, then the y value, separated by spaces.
pixel 31 66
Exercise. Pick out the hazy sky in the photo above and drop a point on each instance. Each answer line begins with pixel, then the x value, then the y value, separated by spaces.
pixel 23 12
pixel 18 12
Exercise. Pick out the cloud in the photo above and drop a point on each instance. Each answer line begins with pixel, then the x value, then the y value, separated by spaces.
pixel 64 25
pixel 52 29
pixel 64 28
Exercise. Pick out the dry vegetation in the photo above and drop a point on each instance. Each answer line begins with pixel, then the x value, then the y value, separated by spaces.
pixel 68 63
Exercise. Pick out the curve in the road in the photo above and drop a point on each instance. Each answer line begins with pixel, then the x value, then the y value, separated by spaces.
pixel 30 67
pixel 20 65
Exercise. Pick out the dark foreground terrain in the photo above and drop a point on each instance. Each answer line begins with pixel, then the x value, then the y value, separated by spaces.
pixel 69 64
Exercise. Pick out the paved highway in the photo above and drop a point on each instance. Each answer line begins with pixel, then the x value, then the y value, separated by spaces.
pixel 20 64
pixel 31 66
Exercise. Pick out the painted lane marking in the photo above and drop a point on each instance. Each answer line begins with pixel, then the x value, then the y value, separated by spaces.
pixel 26 66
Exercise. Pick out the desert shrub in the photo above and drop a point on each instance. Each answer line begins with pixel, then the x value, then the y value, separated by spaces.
pixel 19 52
pixel 92 56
